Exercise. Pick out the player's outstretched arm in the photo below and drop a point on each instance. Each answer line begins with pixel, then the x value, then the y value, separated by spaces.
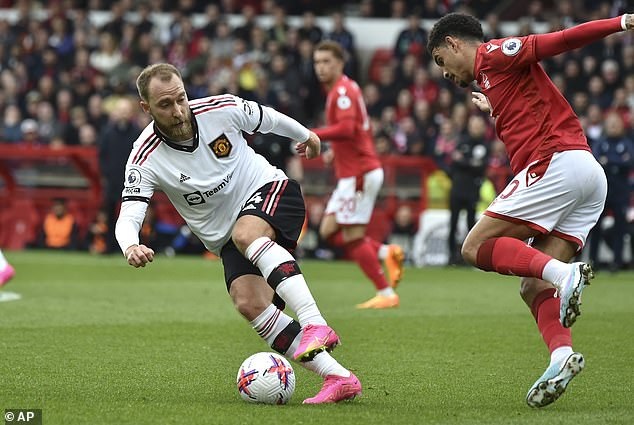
pixel 139 255
pixel 554 43
pixel 310 148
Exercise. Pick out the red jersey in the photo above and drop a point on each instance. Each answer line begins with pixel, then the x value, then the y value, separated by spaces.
pixel 348 130
pixel 533 119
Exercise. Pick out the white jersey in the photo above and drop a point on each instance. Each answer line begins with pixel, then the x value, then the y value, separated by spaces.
pixel 209 182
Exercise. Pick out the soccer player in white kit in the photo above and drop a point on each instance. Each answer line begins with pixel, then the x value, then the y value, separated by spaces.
pixel 241 207
pixel 559 189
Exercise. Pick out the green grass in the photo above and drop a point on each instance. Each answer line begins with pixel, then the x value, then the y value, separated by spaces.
pixel 94 341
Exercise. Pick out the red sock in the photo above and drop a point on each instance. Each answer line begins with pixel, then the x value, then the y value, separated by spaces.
pixel 375 244
pixel 545 309
pixel 511 256
pixel 362 252
pixel 336 239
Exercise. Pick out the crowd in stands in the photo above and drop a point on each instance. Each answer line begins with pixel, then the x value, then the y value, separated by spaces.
pixel 62 76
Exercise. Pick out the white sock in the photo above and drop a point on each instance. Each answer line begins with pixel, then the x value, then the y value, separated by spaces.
pixel 267 256
pixel 555 271
pixel 324 364
pixel 3 261
pixel 270 323
pixel 560 354
pixel 383 250
pixel 386 292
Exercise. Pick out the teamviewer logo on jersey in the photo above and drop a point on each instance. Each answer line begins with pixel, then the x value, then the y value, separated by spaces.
pixel 194 198
pixel 221 146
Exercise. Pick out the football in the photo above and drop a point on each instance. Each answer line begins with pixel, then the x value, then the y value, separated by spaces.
pixel 266 378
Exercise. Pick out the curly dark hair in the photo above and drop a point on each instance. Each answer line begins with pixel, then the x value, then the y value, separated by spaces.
pixel 457 25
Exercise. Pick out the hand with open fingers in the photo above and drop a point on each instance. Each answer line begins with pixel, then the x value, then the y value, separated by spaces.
pixel 481 101
pixel 310 148
pixel 139 255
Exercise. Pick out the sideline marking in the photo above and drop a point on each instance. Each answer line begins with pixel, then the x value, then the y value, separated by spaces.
pixel 9 296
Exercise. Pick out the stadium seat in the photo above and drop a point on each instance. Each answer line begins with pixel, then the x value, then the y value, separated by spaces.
pixel 19 224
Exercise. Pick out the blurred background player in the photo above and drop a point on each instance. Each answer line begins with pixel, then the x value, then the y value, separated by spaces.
pixel 559 189
pixel 6 270
pixel 359 177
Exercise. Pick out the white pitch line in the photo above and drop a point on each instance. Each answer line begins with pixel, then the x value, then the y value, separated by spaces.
pixel 9 296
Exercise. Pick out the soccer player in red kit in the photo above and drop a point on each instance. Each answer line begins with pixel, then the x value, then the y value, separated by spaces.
pixel 359 177
pixel 559 189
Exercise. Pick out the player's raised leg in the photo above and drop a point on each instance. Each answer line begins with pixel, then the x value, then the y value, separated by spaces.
pixel 510 255
pixel 541 298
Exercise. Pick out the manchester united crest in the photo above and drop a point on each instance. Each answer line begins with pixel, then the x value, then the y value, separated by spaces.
pixel 221 146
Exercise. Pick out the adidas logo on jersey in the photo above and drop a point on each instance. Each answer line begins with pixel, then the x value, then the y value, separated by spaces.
pixel 184 178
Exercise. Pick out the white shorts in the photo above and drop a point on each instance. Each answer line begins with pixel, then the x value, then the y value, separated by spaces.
pixel 353 200
pixel 563 197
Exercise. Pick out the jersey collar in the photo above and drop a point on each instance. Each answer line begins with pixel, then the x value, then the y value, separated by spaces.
pixel 176 146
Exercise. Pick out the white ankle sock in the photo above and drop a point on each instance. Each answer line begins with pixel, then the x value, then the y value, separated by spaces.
pixel 267 256
pixel 555 271
pixel 560 354
pixel 270 323
pixel 324 364
pixel 383 252
pixel 3 261
pixel 386 292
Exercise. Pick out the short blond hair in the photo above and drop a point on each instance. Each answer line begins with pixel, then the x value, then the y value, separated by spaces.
pixel 163 71
pixel 333 47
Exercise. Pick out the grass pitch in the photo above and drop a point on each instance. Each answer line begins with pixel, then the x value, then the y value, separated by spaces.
pixel 94 341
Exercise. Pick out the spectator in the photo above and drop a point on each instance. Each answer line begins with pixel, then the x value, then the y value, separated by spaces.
pixel 96 236
pixel 412 40
pixel 11 130
pixel 87 135
pixel 387 85
pixel 499 169
pixel 423 87
pixel 243 32
pixel 593 123
pixel 345 38
pixel 615 153
pixel 30 133
pixel 59 230
pixel 493 30
pixel 48 125
pixel 115 144
pixel 404 228
pixel 468 166
pixel 373 101
pixel 108 56
pixel 309 30
pixel 280 27
pixel 222 44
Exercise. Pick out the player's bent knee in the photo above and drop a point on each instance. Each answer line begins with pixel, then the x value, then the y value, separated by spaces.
pixel 250 305
pixel 469 252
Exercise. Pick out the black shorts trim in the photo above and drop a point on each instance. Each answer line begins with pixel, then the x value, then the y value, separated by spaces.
pixel 281 204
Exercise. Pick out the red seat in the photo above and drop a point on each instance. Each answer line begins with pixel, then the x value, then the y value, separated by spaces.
pixel 19 224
